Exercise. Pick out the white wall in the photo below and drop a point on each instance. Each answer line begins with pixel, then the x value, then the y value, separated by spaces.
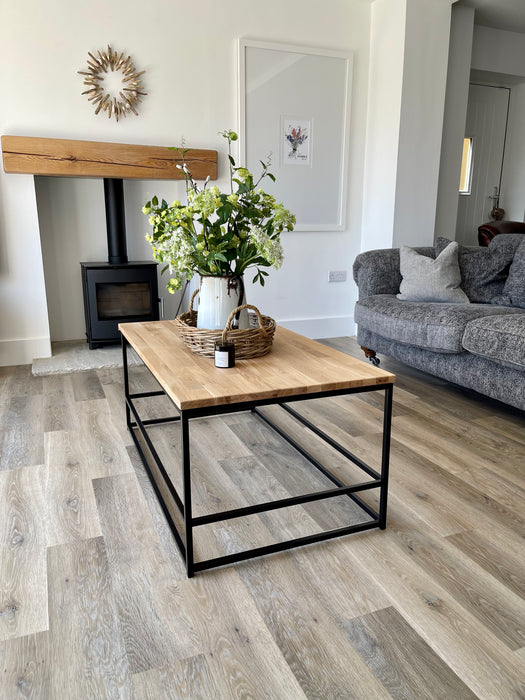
pixel 23 316
pixel 189 53
pixel 458 76
pixel 513 180
pixel 408 65
pixel 498 51
pixel 387 49
pixel 421 124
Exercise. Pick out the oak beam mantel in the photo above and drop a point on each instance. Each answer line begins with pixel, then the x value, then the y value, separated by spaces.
pixel 68 158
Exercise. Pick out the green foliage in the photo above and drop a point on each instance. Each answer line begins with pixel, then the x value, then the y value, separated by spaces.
pixel 217 233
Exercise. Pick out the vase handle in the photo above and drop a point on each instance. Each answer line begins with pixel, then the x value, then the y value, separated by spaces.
pixel 232 316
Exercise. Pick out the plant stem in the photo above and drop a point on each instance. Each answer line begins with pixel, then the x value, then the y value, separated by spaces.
pixel 230 163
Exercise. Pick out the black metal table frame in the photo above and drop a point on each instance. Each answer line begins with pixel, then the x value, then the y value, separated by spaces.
pixel 185 540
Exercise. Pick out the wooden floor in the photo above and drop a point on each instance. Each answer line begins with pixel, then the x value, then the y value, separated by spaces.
pixel 94 602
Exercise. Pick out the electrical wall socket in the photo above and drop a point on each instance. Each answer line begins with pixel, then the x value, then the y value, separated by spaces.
pixel 337 276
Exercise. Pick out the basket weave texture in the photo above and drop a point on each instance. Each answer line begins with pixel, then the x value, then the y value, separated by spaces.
pixel 255 341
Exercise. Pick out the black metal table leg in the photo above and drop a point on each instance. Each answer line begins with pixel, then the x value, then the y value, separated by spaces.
pixel 385 455
pixel 126 378
pixel 186 488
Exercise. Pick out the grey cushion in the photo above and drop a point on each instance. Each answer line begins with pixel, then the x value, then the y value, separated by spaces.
pixel 514 289
pixel 500 338
pixel 437 327
pixel 433 280
pixel 483 270
pixel 377 271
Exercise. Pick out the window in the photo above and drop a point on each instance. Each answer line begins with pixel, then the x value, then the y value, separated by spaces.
pixel 466 167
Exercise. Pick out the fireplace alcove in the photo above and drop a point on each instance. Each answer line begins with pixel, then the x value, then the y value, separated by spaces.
pixel 114 289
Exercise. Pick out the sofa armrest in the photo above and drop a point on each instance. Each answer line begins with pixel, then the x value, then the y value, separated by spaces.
pixel 487 231
pixel 377 271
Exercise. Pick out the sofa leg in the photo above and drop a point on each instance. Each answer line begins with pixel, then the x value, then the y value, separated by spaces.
pixel 371 355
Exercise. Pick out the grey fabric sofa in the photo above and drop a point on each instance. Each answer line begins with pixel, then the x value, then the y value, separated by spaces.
pixel 478 345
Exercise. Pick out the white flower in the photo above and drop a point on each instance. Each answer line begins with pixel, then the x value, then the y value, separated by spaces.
pixel 271 250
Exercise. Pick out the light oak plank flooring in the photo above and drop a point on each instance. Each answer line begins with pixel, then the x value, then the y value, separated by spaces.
pixel 25 667
pixel 71 508
pixel 94 602
pixel 406 665
pixel 23 542
pixel 87 654
pixel 140 591
pixel 58 397
pixel 188 678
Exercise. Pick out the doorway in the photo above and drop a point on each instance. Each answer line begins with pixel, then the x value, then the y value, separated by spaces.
pixel 485 130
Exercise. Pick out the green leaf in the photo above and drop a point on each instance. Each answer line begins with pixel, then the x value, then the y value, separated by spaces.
pixel 272 177
pixel 164 204
pixel 224 212
pixel 155 201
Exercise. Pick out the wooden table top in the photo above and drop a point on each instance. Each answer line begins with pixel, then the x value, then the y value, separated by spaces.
pixel 296 365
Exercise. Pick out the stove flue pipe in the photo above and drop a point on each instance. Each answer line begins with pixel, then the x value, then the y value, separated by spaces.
pixel 115 221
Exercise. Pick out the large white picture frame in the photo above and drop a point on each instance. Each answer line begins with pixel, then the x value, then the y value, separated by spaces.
pixel 294 102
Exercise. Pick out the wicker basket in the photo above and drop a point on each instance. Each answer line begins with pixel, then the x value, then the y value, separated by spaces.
pixel 251 342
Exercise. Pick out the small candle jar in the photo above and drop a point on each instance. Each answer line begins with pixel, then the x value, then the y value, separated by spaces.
pixel 224 354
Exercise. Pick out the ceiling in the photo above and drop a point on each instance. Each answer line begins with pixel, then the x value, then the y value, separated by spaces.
pixel 499 14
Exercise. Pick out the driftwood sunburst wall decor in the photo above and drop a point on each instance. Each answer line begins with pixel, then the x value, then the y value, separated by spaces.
pixel 114 85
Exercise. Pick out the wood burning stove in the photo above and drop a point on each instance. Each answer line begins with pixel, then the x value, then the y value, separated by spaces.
pixel 117 291
pixel 116 294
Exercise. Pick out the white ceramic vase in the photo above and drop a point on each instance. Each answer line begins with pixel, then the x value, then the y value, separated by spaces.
pixel 218 296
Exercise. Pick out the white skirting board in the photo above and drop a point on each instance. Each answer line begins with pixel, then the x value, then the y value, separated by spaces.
pixel 325 327
pixel 22 351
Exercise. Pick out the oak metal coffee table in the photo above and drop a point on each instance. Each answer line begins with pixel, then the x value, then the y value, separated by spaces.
pixel 296 369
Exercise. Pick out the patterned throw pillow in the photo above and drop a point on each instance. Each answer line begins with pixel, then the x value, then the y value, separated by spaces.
pixel 514 289
pixel 426 279
pixel 484 270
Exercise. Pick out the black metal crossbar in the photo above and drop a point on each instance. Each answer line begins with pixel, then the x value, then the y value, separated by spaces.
pixel 330 441
pixel 281 503
pixel 146 394
pixel 160 497
pixel 158 421
pixel 138 423
pixel 184 536
pixel 282 546
pixel 318 465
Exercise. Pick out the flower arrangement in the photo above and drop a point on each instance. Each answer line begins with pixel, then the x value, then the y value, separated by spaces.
pixel 219 234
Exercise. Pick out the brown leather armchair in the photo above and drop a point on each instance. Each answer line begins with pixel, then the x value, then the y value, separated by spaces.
pixel 486 232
